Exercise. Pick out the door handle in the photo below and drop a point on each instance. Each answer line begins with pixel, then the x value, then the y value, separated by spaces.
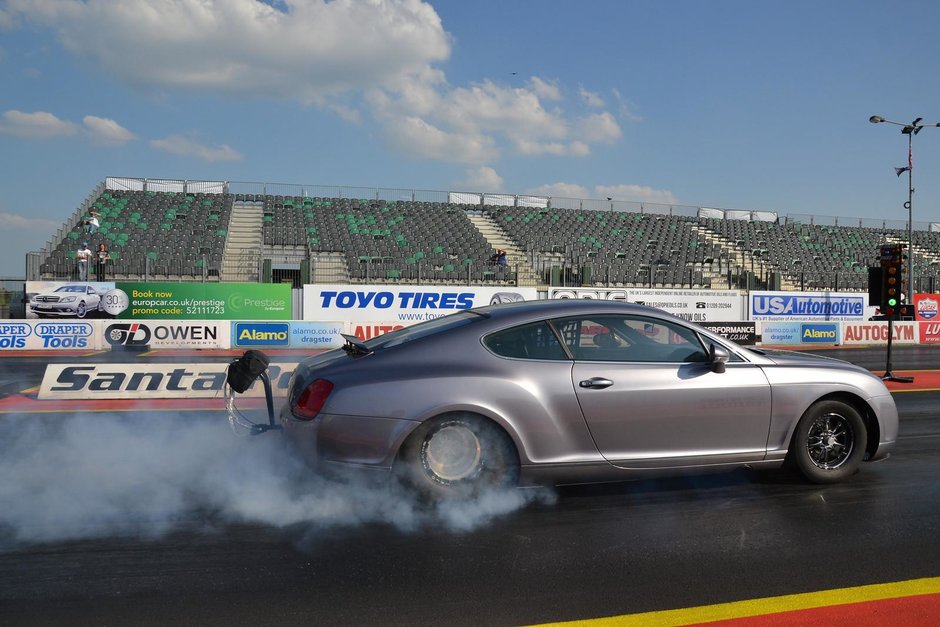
pixel 596 383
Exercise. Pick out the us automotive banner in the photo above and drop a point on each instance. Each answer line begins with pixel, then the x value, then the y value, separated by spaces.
pixel 403 305
pixel 849 306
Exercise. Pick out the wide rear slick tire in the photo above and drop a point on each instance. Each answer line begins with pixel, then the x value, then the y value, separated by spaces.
pixel 458 456
pixel 829 442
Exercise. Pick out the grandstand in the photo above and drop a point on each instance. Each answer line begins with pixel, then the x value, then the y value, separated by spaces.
pixel 220 231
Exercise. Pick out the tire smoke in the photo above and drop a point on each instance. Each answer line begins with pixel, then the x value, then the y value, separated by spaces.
pixel 99 475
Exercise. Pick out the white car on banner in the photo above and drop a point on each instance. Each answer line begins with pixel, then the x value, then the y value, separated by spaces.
pixel 66 300
pixel 691 305
pixel 404 304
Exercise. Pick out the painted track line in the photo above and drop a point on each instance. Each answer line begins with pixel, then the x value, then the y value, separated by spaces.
pixel 911 603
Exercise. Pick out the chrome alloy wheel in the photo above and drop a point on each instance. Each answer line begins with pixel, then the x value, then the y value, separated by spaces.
pixel 452 453
pixel 830 441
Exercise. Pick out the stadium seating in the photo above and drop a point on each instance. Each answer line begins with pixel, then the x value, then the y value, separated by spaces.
pixel 182 236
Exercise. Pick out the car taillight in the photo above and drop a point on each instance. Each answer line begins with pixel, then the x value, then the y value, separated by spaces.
pixel 311 400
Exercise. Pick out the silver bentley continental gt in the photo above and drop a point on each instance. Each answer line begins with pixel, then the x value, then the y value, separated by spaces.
pixel 577 391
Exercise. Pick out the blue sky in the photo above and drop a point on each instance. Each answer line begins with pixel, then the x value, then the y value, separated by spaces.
pixel 723 103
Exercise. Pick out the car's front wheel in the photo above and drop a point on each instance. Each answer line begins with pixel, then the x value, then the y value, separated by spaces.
pixel 829 442
pixel 458 455
pixel 80 311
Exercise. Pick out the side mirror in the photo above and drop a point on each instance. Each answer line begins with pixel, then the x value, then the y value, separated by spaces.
pixel 718 356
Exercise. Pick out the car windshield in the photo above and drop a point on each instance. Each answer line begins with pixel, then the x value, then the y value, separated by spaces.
pixel 71 288
pixel 423 329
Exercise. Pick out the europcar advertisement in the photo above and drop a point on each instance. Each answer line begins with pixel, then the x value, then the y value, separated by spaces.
pixel 692 305
pixel 200 301
pixel 849 306
pixel 403 304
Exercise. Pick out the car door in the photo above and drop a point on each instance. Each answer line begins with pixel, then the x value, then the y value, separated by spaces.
pixel 651 399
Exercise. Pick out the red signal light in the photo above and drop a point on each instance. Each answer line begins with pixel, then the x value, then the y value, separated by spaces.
pixel 311 400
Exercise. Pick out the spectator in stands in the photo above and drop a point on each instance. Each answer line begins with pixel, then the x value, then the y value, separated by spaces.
pixel 81 259
pixel 499 258
pixel 91 222
pixel 102 257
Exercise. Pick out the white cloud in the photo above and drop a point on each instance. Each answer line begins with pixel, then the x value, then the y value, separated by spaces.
pixel 106 131
pixel 346 56
pixel 424 140
pixel 36 125
pixel 303 49
pixel 15 221
pixel 544 89
pixel 187 147
pixel 599 127
pixel 626 109
pixel 560 190
pixel 590 98
pixel 483 178
pixel 636 193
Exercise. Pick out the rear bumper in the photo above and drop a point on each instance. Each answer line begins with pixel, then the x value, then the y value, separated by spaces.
pixel 365 441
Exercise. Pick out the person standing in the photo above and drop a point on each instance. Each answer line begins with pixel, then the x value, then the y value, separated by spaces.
pixel 81 259
pixel 102 257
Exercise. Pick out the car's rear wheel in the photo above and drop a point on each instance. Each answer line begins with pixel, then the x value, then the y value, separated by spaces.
pixel 829 442
pixel 457 455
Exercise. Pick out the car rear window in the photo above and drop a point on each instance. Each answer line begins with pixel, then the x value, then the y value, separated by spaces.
pixel 530 341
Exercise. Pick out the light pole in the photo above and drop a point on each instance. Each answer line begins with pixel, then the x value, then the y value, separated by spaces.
pixel 910 130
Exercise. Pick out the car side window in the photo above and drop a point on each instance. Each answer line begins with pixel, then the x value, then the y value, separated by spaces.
pixel 630 339
pixel 531 341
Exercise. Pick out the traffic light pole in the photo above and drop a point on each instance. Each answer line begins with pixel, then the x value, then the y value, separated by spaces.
pixel 889 372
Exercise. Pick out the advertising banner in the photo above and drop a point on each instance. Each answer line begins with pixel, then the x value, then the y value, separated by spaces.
pixel 50 335
pixel 877 332
pixel 739 332
pixel 925 306
pixel 67 299
pixel 820 332
pixel 150 381
pixel 780 332
pixel 291 334
pixel 692 305
pixel 403 304
pixel 928 332
pixel 825 306
pixel 369 330
pixel 200 301
pixel 166 334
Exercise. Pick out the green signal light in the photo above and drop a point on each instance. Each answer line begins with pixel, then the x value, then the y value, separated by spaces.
pixel 892 302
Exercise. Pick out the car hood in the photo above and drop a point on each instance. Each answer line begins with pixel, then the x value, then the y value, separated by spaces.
pixel 795 358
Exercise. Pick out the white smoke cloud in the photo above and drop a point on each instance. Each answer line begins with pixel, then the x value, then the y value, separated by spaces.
pixel 89 476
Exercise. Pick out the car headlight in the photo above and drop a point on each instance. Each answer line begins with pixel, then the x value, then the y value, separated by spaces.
pixel 68 299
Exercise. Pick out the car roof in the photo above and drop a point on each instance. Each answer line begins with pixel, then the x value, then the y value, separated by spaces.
pixel 553 308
